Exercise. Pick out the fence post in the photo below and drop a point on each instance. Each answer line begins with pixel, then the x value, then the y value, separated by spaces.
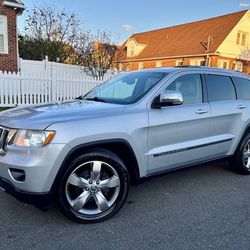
pixel 41 82
pixel 19 83
pixel 19 88
pixel 115 72
pixel 46 63
pixel 53 82
pixel 20 64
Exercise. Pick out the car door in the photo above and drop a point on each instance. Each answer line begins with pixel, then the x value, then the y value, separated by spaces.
pixel 227 113
pixel 179 135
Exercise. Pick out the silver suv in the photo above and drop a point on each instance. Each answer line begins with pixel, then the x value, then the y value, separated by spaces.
pixel 85 152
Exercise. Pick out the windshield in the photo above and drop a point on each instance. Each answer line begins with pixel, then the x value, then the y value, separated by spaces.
pixel 126 88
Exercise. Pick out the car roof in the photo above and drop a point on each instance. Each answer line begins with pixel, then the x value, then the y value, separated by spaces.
pixel 193 68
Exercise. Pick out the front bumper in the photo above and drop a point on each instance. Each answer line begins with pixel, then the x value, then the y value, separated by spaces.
pixel 40 166
pixel 40 200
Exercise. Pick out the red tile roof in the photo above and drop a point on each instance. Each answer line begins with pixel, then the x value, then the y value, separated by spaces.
pixel 186 39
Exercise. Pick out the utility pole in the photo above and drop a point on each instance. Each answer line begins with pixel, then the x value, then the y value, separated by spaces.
pixel 207 50
pixel 207 46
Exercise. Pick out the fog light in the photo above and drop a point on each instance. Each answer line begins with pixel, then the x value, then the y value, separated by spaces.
pixel 17 174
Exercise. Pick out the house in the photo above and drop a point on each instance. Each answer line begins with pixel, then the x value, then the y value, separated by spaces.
pixel 9 10
pixel 222 42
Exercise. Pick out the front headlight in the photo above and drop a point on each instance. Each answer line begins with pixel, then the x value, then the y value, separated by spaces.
pixel 29 138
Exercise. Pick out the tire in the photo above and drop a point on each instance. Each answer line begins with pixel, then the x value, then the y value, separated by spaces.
pixel 241 159
pixel 94 187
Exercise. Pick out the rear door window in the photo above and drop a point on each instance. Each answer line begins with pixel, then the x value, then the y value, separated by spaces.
pixel 220 88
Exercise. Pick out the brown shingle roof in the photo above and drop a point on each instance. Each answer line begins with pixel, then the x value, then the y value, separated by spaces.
pixel 186 39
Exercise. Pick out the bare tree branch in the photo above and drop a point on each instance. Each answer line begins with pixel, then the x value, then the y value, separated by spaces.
pixel 97 54
pixel 56 32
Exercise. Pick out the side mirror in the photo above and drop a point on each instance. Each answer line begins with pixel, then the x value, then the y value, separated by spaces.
pixel 168 98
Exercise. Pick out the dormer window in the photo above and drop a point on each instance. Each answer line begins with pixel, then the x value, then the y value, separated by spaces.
pixel 132 51
pixel 134 48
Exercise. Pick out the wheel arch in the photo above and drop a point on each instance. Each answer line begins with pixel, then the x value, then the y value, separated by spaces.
pixel 120 147
pixel 242 136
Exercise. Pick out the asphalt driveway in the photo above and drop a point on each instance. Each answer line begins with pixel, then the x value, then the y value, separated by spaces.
pixel 204 207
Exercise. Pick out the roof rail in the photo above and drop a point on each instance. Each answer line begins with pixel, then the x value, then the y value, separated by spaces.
pixel 188 66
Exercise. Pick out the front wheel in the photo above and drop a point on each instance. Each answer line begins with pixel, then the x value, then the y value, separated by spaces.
pixel 94 187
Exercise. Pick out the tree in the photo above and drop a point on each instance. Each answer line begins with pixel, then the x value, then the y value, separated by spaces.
pixel 97 53
pixel 49 32
pixel 58 35
pixel 245 56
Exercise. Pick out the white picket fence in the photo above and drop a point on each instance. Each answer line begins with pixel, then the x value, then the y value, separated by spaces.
pixel 42 86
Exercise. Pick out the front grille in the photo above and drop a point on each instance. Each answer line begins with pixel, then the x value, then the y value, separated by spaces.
pixel 3 140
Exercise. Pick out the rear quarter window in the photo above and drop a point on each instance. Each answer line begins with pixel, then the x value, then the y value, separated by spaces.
pixel 242 87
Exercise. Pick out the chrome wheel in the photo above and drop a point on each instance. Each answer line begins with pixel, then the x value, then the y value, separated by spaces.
pixel 246 155
pixel 92 188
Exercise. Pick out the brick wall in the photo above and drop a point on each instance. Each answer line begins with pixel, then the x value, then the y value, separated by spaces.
pixel 186 61
pixel 8 62
pixel 214 61
pixel 153 63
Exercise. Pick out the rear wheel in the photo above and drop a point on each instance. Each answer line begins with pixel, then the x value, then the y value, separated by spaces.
pixel 94 187
pixel 241 159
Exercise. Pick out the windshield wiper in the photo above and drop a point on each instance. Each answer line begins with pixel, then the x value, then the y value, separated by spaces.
pixel 81 97
pixel 96 99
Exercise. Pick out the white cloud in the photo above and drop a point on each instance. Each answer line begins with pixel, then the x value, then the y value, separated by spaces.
pixel 127 27
pixel 244 4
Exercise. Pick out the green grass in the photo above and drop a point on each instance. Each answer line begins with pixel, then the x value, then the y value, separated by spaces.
pixel 2 109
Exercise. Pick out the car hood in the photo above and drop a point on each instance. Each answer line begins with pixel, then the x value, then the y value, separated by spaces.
pixel 42 116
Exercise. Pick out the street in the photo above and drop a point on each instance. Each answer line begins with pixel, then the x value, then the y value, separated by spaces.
pixel 204 207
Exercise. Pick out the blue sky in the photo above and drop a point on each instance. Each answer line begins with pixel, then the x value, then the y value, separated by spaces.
pixel 133 16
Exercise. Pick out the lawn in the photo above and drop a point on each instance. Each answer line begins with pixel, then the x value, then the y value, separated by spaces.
pixel 2 109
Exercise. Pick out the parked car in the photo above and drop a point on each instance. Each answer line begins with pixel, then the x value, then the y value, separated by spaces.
pixel 87 151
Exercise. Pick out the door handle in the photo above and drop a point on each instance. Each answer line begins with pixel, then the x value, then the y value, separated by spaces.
pixel 201 111
pixel 241 106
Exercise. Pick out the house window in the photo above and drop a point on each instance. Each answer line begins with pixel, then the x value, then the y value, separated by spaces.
pixel 238 66
pixel 197 62
pixel 242 38
pixel 179 62
pixel 203 63
pixel 120 67
pixel 238 38
pixel 141 65
pixel 132 51
pixel 3 35
pixel 158 64
pixel 223 64
pixel 128 67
